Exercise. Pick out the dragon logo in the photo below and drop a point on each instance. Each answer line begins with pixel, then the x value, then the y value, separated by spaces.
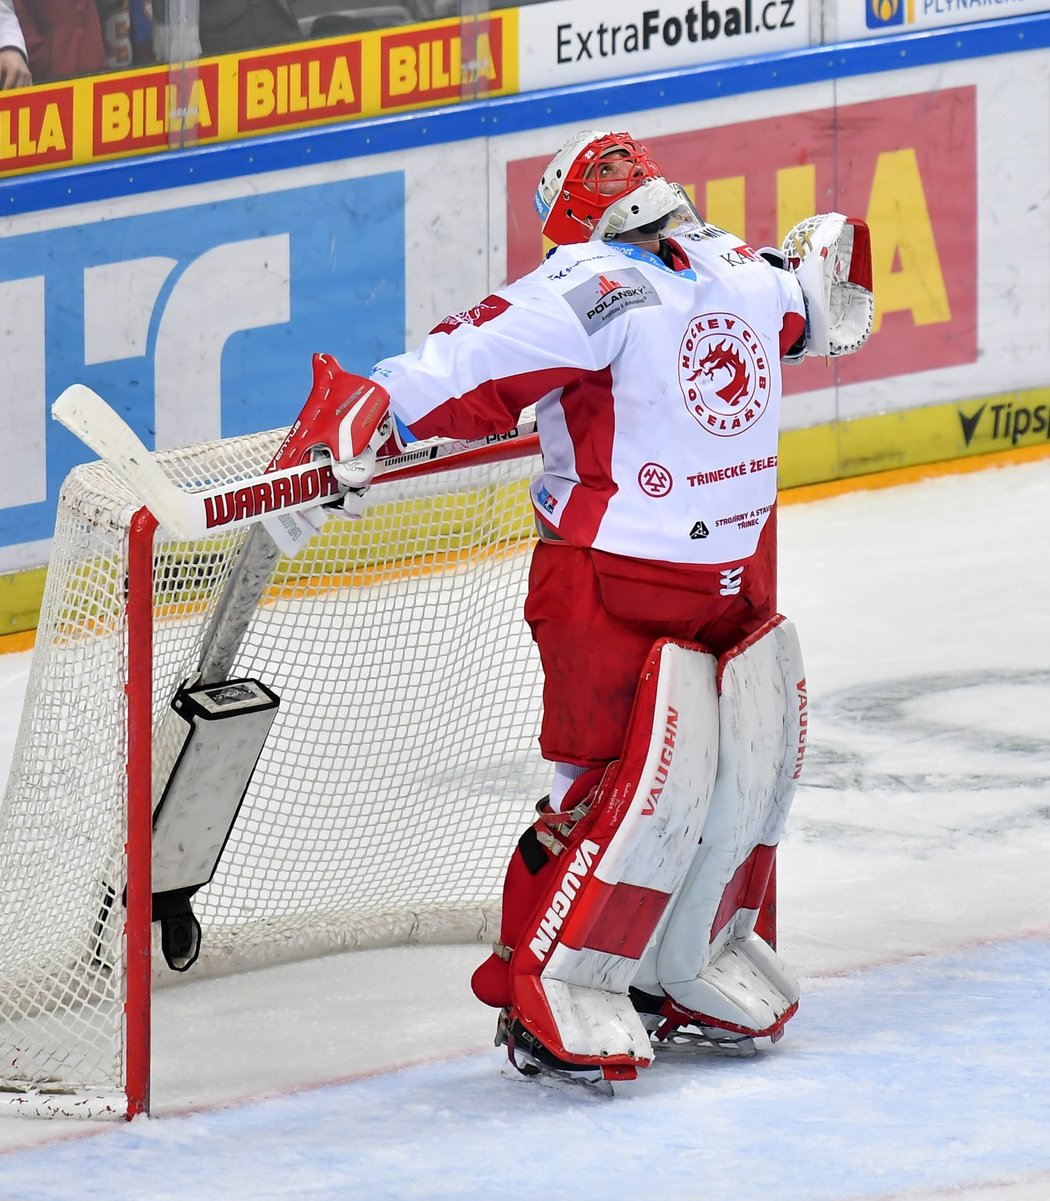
pixel 715 364
pixel 724 374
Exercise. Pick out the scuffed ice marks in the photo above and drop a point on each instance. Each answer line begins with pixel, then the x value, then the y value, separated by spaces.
pixel 937 747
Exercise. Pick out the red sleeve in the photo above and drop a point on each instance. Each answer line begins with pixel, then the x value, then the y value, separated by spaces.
pixel 493 407
pixel 791 331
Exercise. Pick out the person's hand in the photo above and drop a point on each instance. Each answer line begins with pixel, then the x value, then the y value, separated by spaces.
pixel 14 70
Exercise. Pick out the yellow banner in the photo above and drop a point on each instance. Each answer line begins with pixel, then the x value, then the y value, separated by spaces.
pixel 153 109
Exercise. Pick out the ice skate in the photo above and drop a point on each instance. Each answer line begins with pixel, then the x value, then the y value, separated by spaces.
pixel 532 1059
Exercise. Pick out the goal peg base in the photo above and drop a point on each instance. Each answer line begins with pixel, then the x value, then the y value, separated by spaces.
pixel 180 932
pixel 227 728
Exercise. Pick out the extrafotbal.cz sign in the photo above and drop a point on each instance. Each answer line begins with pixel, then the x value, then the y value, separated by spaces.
pixel 575 41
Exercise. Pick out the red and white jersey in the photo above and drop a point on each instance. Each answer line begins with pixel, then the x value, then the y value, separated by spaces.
pixel 657 391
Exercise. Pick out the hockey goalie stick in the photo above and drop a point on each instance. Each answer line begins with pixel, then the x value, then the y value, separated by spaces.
pixel 264 497
pixel 257 502
pixel 261 498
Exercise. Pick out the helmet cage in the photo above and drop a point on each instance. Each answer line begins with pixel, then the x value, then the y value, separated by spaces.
pixel 645 211
pixel 579 204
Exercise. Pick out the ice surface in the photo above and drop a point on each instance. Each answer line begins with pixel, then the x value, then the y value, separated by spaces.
pixel 914 901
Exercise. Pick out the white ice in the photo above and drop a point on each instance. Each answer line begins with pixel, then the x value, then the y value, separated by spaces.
pixel 914 901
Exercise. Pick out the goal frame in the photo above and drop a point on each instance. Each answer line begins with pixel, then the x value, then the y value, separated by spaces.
pixel 138 922
pixel 132 1095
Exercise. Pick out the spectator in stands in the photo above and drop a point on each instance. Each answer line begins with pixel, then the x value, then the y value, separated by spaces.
pixel 231 25
pixel 14 59
pixel 187 29
pixel 63 38
pixel 128 33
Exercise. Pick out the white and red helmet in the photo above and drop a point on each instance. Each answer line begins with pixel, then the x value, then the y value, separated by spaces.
pixel 602 185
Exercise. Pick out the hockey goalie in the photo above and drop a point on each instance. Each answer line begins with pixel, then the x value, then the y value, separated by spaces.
pixel 674 703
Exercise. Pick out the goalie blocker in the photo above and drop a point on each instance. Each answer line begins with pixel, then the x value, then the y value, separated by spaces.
pixel 645 895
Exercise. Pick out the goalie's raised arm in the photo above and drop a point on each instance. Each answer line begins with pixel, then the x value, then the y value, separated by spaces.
pixel 830 255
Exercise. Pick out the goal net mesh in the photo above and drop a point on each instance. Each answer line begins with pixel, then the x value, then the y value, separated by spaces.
pixel 401 767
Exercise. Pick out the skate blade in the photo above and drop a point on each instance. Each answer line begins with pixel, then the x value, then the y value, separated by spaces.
pixel 538 1075
pixel 681 1045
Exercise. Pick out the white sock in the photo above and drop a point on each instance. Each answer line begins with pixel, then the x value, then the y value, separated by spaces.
pixel 565 775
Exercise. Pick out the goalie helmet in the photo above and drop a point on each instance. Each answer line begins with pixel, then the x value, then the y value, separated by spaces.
pixel 601 186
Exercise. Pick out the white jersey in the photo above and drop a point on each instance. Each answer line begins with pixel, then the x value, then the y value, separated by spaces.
pixel 10 30
pixel 657 391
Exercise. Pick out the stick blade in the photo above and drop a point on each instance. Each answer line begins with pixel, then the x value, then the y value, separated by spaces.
pixel 84 413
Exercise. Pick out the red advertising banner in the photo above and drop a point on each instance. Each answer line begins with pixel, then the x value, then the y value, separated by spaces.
pixel 150 109
pixel 36 129
pixel 169 107
pixel 431 65
pixel 288 87
pixel 906 164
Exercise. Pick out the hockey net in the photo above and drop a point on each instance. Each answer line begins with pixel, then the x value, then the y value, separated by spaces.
pixel 402 764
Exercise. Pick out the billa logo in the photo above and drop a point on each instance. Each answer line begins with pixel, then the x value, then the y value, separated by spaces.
pixel 36 129
pixel 295 86
pixel 143 112
pixel 437 63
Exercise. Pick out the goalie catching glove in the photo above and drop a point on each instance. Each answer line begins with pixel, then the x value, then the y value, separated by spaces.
pixel 830 255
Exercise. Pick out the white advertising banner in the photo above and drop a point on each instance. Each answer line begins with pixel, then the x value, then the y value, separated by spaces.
pixel 577 41
pixel 849 20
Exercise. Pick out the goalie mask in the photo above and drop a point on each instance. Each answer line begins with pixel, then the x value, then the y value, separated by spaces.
pixel 602 186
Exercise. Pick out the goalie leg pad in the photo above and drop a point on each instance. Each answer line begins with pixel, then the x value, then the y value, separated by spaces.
pixel 710 962
pixel 624 861
pixel 531 868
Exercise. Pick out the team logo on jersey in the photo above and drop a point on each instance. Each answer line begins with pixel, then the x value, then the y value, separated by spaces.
pixel 724 374
pixel 655 480
pixel 487 310
pixel 603 298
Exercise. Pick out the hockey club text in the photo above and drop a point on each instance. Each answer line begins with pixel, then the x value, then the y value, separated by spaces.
pixel 723 374
pixel 557 911
pixel 257 500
